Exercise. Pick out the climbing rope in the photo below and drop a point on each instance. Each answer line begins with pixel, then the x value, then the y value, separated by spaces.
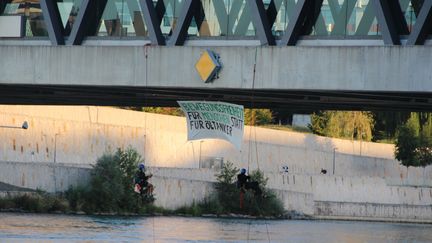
pixel 268 235
pixel 154 235
pixel 253 117
pixel 145 125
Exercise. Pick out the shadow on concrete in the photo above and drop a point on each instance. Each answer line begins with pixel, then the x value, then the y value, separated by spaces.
pixel 8 187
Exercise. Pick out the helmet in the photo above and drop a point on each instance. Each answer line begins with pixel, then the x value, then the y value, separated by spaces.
pixel 141 166
pixel 243 171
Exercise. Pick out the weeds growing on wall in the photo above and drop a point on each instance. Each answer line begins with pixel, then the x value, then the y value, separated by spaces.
pixel 38 202
pixel 111 191
pixel 228 195
pixel 111 186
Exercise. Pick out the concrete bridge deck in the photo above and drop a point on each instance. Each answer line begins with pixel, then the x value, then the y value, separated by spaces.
pixel 293 78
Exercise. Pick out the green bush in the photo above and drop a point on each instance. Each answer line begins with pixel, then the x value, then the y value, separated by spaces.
pixel 111 185
pixel 414 141
pixel 7 203
pixel 76 197
pixel 228 195
pixel 111 191
pixel 37 203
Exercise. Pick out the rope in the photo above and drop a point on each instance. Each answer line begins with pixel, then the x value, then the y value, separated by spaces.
pixel 250 141
pixel 268 235
pixel 253 113
pixel 255 140
pixel 250 221
pixel 145 128
pixel 256 149
pixel 145 105
pixel 154 235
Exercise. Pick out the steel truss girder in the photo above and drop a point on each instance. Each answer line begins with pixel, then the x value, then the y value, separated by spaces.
pixel 293 29
pixel 53 21
pixel 3 5
pixel 87 20
pixel 422 26
pixel 388 12
pixel 261 22
pixel 153 20
pixel 386 21
pixel 191 8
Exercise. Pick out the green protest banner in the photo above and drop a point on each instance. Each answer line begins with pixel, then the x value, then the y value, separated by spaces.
pixel 207 119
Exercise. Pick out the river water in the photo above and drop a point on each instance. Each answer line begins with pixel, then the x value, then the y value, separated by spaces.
pixel 70 228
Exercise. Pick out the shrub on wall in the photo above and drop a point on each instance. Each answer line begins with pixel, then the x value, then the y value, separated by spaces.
pixel 111 185
pixel 228 195
pixel 35 202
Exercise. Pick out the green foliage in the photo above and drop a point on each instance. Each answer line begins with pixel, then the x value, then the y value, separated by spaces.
pixel 128 160
pixel 36 203
pixel 258 117
pixel 414 141
pixel 288 128
pixel 228 174
pixel 194 210
pixel 76 197
pixel 406 143
pixel 343 124
pixel 227 198
pixel 226 188
pixel 172 111
pixel 106 186
pixel 319 122
pixel 386 125
pixel 111 185
pixel 258 176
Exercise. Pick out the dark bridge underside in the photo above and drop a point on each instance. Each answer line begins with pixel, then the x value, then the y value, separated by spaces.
pixel 289 100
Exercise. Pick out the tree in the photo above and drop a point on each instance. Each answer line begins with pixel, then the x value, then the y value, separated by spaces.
pixel 258 117
pixel 228 195
pixel 111 183
pixel 343 124
pixel 319 122
pixel 172 111
pixel 406 143
pixel 387 123
pixel 414 141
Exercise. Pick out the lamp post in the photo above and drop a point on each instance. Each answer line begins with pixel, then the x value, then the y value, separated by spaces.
pixel 361 140
pixel 55 157
pixel 334 160
pixel 55 146
pixel 199 163
pixel 23 126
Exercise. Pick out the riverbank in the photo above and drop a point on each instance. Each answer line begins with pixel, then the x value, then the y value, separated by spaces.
pixel 32 201
pixel 287 216
pixel 38 202
pixel 42 202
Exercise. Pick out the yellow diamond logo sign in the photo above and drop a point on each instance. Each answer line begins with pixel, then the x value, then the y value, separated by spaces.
pixel 208 66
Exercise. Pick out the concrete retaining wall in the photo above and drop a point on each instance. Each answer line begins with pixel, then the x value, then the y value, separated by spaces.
pixel 390 212
pixel 80 135
pixel 311 195
pixel 45 176
pixel 62 142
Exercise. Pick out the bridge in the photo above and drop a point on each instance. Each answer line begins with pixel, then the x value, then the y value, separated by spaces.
pixel 280 54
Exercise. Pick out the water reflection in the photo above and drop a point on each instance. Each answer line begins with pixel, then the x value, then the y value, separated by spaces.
pixel 65 228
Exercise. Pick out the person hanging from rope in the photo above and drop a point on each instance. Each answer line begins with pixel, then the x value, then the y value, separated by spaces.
pixel 244 183
pixel 142 185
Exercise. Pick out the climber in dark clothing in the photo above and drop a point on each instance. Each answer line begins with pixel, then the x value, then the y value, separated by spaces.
pixel 142 185
pixel 242 180
pixel 244 183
